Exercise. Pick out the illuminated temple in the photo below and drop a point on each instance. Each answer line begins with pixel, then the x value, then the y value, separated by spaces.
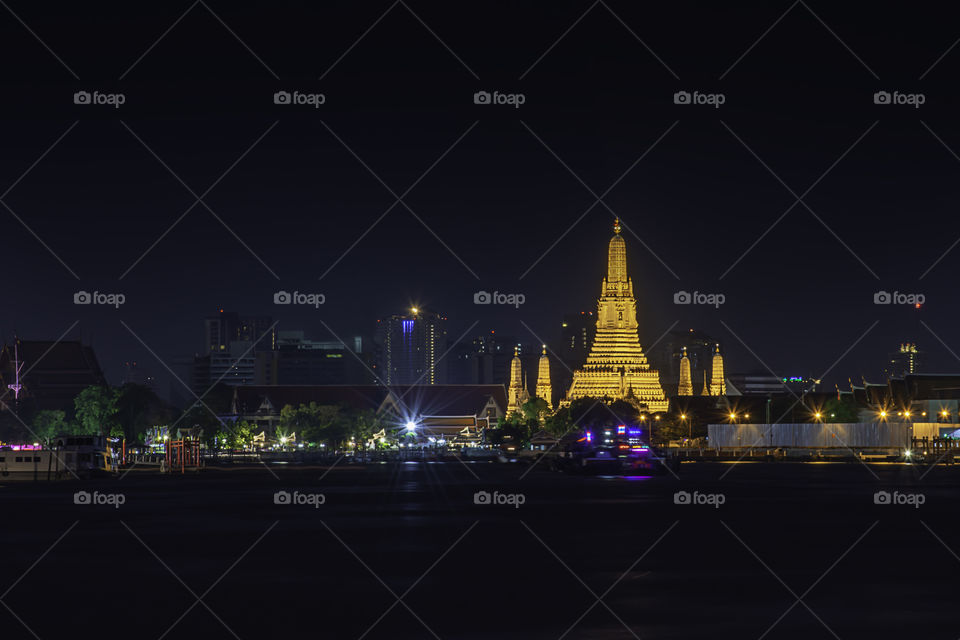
pixel 616 367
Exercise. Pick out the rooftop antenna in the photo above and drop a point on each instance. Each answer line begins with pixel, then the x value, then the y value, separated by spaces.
pixel 17 366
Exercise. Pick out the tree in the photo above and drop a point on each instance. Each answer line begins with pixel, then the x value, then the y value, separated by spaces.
pixel 139 409
pixel 314 423
pixel 48 424
pixel 836 410
pixel 535 409
pixel 96 408
pixel 560 423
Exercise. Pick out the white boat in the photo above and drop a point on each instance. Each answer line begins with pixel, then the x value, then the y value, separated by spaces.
pixel 71 455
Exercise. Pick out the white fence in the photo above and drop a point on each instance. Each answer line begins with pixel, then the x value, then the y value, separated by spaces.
pixel 815 435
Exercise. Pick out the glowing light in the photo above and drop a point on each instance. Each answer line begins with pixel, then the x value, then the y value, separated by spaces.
pixel 683 416
pixel 883 414
pixel 415 310
pixel 411 426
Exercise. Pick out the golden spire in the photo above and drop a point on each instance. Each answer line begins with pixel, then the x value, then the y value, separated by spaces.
pixel 718 384
pixel 686 383
pixel 617 261
pixel 544 388
pixel 616 365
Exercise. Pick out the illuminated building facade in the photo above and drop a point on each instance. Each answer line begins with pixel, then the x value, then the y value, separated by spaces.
pixel 616 366
pixel 409 348
pixel 904 361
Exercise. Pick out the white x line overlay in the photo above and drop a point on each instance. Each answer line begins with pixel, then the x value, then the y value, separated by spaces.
pixel 399 599
pixel 199 199
pixel 799 599
pixel 799 199
pixel 199 598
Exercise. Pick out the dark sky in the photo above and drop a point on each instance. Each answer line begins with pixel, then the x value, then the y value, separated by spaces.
pixel 800 98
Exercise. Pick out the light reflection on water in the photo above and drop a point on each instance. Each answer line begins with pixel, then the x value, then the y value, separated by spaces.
pixel 631 478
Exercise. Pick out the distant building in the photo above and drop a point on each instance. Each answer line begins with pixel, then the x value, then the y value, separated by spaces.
pixel 410 347
pixel 904 361
pixel 226 327
pixel 52 374
pixel 576 335
pixel 458 413
pixel 666 358
pixel 300 361
pixel 133 373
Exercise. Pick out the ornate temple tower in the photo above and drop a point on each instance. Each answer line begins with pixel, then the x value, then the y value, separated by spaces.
pixel 686 382
pixel 705 389
pixel 718 387
pixel 544 389
pixel 616 366
pixel 517 391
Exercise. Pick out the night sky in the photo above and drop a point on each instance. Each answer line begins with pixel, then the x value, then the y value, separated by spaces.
pixel 495 189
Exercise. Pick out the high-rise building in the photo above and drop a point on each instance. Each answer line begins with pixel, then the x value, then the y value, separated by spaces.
pixel 616 366
pixel 903 361
pixel 410 347
pixel 226 327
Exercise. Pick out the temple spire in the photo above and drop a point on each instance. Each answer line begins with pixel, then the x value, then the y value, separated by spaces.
pixel 686 383
pixel 517 391
pixel 616 365
pixel 544 389
pixel 718 384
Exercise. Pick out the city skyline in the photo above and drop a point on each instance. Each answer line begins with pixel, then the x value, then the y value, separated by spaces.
pixel 304 197
pixel 516 320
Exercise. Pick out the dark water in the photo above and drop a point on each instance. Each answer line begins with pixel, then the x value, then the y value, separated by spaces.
pixel 466 570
